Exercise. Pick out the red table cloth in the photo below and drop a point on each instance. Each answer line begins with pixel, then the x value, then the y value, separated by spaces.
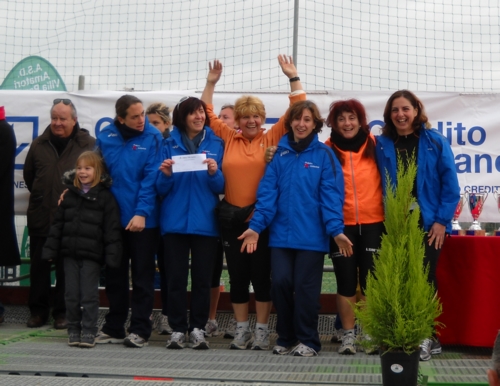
pixel 468 275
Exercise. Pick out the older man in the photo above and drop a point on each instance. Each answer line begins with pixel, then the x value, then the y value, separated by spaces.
pixel 50 155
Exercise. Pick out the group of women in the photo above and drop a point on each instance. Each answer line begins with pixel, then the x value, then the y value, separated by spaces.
pixel 276 221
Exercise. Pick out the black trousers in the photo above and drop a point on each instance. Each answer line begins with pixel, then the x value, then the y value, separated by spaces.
pixel 203 251
pixel 139 250
pixel 245 268
pixel 39 297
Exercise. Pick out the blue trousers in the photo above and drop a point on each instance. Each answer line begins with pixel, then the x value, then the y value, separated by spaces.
pixel 139 248
pixel 295 291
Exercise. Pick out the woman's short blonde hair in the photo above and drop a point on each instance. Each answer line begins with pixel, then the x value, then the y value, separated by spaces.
pixel 249 105
pixel 161 110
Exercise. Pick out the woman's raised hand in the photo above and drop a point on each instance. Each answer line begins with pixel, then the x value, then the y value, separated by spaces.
pixel 214 71
pixel 287 66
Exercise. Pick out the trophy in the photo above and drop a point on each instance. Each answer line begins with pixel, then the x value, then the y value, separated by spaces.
pixel 455 226
pixel 497 198
pixel 476 204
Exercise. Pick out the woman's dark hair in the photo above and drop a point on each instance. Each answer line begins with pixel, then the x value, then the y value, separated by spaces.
pixel 184 108
pixel 356 107
pixel 420 119
pixel 296 110
pixel 123 103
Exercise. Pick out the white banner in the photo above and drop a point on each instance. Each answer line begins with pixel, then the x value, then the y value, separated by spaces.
pixel 469 122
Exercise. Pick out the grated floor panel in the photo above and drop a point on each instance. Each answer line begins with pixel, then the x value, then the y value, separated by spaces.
pixel 44 352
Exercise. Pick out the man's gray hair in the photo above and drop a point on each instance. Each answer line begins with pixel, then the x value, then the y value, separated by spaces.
pixel 73 110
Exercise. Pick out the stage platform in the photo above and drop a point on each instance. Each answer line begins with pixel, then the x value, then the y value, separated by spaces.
pixel 42 357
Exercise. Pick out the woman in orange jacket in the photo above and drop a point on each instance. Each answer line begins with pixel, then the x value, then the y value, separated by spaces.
pixel 354 146
pixel 243 167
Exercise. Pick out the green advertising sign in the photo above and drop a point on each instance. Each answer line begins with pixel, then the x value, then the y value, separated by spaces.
pixel 33 73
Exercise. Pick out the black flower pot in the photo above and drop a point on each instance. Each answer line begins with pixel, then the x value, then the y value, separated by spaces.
pixel 399 368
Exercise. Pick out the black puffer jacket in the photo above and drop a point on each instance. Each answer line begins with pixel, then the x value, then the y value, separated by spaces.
pixel 86 225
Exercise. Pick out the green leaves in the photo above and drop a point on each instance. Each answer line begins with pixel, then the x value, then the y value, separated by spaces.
pixel 401 306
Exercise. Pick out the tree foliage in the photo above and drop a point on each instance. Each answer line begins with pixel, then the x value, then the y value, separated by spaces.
pixel 401 306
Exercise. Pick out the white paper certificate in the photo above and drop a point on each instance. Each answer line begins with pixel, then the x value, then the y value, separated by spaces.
pixel 189 163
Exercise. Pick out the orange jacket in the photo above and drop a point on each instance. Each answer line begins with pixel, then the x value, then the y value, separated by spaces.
pixel 243 164
pixel 363 188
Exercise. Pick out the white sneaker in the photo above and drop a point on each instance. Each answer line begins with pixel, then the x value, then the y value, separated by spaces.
pixel 261 341
pixel 231 330
pixel 212 329
pixel 301 350
pixel 242 339
pixel 176 341
pixel 197 340
pixel 281 350
pixel 348 346
pixel 163 328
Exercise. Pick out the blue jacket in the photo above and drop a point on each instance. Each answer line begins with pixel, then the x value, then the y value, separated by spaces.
pixel 437 183
pixel 133 166
pixel 301 197
pixel 189 198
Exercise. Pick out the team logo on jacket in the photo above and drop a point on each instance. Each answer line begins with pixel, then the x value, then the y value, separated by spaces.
pixel 113 135
pixel 207 152
pixel 310 165
pixel 138 147
pixel 284 152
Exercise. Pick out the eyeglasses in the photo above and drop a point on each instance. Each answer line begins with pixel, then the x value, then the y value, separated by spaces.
pixel 183 99
pixel 67 102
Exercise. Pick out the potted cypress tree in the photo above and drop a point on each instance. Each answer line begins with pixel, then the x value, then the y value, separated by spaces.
pixel 401 307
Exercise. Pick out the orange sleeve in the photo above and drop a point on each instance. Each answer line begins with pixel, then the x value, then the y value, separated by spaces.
pixel 275 133
pixel 219 128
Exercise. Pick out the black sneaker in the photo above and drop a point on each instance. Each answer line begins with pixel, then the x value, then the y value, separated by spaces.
pixel 87 341
pixel 74 339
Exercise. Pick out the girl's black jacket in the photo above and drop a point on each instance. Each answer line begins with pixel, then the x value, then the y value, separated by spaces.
pixel 86 225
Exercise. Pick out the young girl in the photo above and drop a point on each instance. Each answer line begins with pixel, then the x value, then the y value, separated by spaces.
pixel 86 232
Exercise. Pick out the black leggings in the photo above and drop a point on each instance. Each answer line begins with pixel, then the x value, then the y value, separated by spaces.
pixel 219 262
pixel 245 268
pixel 366 240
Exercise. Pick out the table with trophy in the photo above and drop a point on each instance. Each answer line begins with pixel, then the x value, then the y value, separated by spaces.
pixel 475 203
pixel 468 275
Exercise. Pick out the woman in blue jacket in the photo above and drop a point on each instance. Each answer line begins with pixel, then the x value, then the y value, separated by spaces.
pixel 300 198
pixel 407 131
pixel 188 222
pixel 131 149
